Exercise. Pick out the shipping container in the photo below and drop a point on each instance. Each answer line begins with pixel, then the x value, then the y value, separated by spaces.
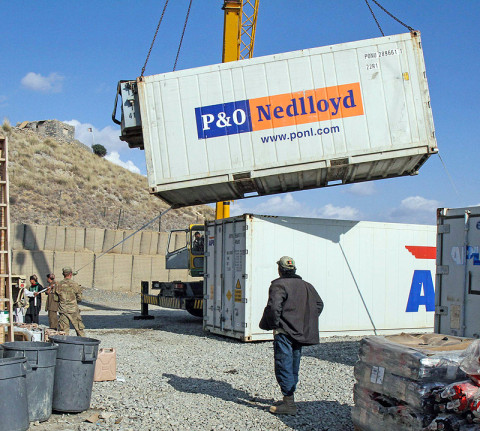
pixel 371 276
pixel 457 299
pixel 314 118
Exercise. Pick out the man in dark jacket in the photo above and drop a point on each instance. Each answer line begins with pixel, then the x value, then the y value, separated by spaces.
pixel 292 313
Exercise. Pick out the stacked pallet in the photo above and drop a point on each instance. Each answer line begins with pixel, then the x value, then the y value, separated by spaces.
pixel 417 382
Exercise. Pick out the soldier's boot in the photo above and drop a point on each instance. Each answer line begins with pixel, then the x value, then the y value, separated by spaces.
pixel 286 407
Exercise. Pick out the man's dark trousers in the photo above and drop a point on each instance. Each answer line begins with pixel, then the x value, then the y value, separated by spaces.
pixel 287 354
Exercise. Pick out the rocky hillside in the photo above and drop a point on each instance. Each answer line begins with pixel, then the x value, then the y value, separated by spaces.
pixel 54 182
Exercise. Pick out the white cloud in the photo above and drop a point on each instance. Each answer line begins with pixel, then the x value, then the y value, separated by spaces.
pixel 287 205
pixel 344 213
pixel 108 137
pixel 415 209
pixel 114 157
pixel 362 189
pixel 45 84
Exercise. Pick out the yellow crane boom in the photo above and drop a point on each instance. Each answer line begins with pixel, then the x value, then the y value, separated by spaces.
pixel 240 22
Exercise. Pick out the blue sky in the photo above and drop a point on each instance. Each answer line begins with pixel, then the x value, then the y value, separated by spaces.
pixel 62 60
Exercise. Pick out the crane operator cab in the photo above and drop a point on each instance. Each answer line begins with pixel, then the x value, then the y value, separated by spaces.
pixel 185 249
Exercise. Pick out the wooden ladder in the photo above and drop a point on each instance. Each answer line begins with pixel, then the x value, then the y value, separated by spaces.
pixel 6 300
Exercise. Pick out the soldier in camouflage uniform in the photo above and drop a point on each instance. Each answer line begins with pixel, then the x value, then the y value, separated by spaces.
pixel 69 294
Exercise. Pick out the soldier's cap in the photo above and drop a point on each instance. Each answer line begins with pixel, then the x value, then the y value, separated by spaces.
pixel 68 270
pixel 286 262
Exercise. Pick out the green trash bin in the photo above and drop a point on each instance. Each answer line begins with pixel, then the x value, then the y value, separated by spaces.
pixel 76 358
pixel 13 393
pixel 41 358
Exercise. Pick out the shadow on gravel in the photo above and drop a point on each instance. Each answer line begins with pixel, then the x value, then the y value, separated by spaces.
pixel 342 352
pixel 331 414
pixel 173 321
pixel 101 307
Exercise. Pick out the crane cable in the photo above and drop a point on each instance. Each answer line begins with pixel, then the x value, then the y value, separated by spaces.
pixel 154 37
pixel 123 240
pixel 388 13
pixel 183 33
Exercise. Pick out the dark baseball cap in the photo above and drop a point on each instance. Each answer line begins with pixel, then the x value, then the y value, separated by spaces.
pixel 286 262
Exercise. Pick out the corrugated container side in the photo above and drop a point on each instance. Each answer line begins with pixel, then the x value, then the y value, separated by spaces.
pixel 457 298
pixel 345 113
pixel 368 274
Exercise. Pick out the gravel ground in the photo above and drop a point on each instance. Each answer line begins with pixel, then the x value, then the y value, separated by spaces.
pixel 173 376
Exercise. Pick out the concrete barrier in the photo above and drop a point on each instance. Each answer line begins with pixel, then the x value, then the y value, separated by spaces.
pixel 70 238
pixel 104 272
pixel 145 242
pixel 162 243
pixel 50 237
pixel 127 246
pixel 60 239
pixel 22 262
pixel 122 270
pixel 79 239
pixel 154 243
pixel 42 264
pixel 17 235
pixel 84 262
pixel 141 271
pixel 61 259
pixel 118 237
pixel 50 248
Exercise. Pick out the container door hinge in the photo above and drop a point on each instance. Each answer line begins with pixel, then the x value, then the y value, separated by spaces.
pixel 442 270
pixel 244 300
pixel 245 276
pixel 207 254
pixel 444 228
pixel 441 310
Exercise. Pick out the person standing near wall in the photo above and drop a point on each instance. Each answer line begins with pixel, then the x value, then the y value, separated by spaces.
pixel 51 304
pixel 292 313
pixel 34 300
pixel 69 295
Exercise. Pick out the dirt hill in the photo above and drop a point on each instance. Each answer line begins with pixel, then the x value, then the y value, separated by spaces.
pixel 55 182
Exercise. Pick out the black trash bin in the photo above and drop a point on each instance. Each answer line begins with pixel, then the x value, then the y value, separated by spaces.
pixel 42 358
pixel 13 393
pixel 74 372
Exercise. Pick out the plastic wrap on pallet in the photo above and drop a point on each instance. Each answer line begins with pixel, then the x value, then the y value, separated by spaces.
pixel 412 363
pixel 418 395
pixel 449 422
pixel 471 363
pixel 377 412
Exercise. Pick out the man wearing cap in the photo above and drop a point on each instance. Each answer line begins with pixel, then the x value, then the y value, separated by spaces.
pixel 51 305
pixel 292 313
pixel 69 294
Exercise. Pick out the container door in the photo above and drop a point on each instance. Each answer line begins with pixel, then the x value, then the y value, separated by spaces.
pixel 212 283
pixel 234 277
pixel 458 274
pixel 225 277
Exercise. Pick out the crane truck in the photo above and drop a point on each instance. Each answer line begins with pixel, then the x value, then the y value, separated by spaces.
pixel 346 113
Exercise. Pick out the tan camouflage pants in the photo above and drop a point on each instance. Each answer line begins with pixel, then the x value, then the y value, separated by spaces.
pixel 52 319
pixel 64 323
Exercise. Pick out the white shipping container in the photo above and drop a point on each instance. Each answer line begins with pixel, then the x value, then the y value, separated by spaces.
pixel 318 117
pixel 457 299
pixel 369 275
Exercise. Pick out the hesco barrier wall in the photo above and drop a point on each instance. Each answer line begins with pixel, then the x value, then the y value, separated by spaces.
pixel 38 249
